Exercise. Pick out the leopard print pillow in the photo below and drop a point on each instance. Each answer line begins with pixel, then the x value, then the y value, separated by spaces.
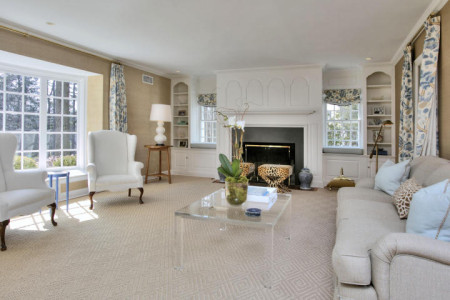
pixel 403 196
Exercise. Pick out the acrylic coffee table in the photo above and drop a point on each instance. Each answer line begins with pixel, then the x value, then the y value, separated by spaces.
pixel 215 209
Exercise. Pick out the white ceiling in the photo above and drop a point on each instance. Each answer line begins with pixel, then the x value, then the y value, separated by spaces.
pixel 200 36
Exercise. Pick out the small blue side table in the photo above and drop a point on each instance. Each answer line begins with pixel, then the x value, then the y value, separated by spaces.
pixel 58 175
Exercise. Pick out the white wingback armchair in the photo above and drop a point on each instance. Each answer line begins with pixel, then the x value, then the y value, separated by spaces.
pixel 111 165
pixel 21 192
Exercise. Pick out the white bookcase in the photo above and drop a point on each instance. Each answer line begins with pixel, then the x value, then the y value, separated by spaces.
pixel 180 115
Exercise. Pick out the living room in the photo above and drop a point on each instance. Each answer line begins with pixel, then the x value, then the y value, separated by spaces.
pixel 311 97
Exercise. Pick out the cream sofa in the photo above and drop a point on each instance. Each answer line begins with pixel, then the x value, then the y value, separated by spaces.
pixel 374 258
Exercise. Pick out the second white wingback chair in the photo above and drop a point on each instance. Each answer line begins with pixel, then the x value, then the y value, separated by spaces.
pixel 111 165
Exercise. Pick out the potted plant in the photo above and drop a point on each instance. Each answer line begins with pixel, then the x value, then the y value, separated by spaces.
pixel 236 185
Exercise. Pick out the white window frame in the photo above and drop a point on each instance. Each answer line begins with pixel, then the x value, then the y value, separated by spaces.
pixel 81 117
pixel 207 121
pixel 360 129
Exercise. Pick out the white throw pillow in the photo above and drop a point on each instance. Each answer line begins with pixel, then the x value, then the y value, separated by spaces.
pixel 390 176
pixel 429 212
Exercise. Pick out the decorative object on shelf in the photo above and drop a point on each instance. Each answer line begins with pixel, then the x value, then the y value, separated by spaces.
pixel 182 122
pixel 376 141
pixel 236 185
pixel 378 98
pixel 305 176
pixel 182 144
pixel 182 113
pixel 378 110
pixel 377 122
pixel 342 97
pixel 340 181
pixel 207 100
pixel 160 113
pixel 378 137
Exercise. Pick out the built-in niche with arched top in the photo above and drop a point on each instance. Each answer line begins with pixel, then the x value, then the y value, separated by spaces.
pixel 180 115
pixel 379 109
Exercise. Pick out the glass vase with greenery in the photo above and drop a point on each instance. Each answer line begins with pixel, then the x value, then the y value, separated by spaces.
pixel 236 185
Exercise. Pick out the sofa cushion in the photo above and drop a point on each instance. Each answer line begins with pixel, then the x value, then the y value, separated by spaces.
pixel 354 240
pixel 422 167
pixel 363 194
pixel 440 174
pixel 366 210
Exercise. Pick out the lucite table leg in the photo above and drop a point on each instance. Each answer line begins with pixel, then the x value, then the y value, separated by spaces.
pixel 179 242
pixel 287 221
pixel 223 226
pixel 268 253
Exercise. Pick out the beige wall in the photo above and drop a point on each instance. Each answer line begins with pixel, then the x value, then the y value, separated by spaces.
pixel 139 96
pixel 444 76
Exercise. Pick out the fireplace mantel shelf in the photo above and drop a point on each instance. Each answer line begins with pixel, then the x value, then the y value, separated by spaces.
pixel 274 112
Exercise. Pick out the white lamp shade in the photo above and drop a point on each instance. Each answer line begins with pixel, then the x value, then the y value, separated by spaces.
pixel 161 112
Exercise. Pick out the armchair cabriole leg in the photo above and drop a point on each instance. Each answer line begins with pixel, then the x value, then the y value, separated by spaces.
pixel 140 197
pixel 129 192
pixel 91 194
pixel 2 233
pixel 53 209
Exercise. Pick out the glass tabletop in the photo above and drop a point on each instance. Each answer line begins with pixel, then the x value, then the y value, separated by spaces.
pixel 215 207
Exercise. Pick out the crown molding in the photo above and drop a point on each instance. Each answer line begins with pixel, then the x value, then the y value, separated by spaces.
pixel 28 32
pixel 271 68
pixel 434 6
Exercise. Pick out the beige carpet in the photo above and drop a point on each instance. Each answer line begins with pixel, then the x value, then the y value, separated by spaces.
pixel 123 250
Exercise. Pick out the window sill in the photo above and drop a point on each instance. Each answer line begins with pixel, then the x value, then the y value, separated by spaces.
pixel 344 150
pixel 203 145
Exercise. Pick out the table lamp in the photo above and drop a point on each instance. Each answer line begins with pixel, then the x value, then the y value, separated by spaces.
pixel 160 113
pixel 375 146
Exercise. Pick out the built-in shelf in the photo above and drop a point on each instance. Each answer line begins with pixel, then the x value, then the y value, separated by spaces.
pixel 378 101
pixel 180 109
pixel 377 126
pixel 176 125
pixel 181 93
pixel 378 116
pixel 181 138
pixel 380 144
pixel 378 86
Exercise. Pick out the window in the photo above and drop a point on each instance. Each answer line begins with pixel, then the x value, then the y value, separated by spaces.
pixel 343 126
pixel 208 124
pixel 43 113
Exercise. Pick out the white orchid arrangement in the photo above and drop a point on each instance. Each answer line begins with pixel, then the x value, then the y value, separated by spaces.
pixel 234 119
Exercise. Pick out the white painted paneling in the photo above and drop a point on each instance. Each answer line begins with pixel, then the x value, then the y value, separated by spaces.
pixel 255 93
pixel 276 93
pixel 194 162
pixel 233 94
pixel 299 92
pixel 351 167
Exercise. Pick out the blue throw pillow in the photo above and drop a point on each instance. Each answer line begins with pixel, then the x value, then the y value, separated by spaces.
pixel 390 176
pixel 429 212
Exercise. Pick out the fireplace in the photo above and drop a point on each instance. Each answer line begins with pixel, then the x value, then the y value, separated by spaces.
pixel 275 145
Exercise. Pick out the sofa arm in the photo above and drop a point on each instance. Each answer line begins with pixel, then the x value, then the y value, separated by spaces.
pixel 35 179
pixel 368 183
pixel 134 168
pixel 409 266
pixel 92 176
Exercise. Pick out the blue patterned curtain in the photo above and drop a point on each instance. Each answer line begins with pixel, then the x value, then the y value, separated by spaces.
pixel 426 135
pixel 342 97
pixel 207 100
pixel 117 100
pixel 406 135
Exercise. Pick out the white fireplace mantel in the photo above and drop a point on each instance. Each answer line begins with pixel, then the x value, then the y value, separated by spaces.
pixel 280 97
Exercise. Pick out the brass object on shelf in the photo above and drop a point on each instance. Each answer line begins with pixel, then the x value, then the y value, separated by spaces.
pixel 340 181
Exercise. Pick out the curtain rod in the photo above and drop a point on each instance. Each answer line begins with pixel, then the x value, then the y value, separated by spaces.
pixel 25 34
pixel 422 29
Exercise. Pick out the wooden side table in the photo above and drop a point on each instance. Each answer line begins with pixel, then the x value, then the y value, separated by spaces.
pixel 160 149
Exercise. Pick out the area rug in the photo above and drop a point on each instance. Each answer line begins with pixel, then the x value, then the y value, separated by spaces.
pixel 123 250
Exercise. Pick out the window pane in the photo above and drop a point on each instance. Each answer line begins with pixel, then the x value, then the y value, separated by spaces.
pixel 31 142
pixel 53 141
pixel 54 88
pixel 30 160
pixel 330 143
pixel 70 158
pixel 355 126
pixel 70 89
pixel 19 141
pixel 54 159
pixel 346 126
pixel 330 135
pixel 355 135
pixel 1 81
pixel 13 122
pixel 14 83
pixel 354 115
pixel 13 102
pixel 32 85
pixel 70 124
pixel 31 123
pixel 1 101
pixel 54 124
pixel 346 143
pixel 18 161
pixel 70 107
pixel 354 144
pixel 53 106
pixel 70 141
pixel 330 126
pixel 1 122
pixel 31 104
